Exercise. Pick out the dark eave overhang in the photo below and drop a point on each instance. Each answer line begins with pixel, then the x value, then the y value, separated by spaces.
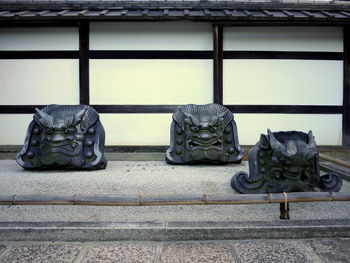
pixel 220 11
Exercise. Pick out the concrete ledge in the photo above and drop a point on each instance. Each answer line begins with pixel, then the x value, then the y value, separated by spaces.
pixel 172 231
pixel 110 156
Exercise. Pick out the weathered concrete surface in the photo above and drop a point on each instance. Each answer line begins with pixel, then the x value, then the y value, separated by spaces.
pixel 269 251
pixel 172 231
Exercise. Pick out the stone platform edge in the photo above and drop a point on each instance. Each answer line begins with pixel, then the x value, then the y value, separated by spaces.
pixel 172 231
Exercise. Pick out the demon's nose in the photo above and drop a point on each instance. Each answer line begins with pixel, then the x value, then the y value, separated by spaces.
pixel 205 136
pixel 58 138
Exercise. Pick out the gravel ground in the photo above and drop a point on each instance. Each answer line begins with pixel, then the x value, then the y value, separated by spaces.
pixel 146 178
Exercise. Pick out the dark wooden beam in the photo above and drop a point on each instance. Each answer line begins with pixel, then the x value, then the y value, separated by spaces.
pixel 19 109
pixel 84 63
pixel 286 109
pixel 283 55
pixel 169 54
pixel 135 108
pixel 218 64
pixel 50 54
pixel 254 109
pixel 346 87
pixel 150 54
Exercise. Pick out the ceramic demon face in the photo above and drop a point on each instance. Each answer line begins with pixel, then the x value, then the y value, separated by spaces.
pixel 203 133
pixel 292 150
pixel 64 137
pixel 284 162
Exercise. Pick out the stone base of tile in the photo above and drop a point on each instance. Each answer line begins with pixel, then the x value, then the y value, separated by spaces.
pixel 172 231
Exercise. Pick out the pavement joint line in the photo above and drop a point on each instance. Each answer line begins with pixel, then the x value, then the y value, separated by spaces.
pixel 83 252
pixel 158 253
pixel 5 252
pixel 311 251
pixel 165 228
pixel 235 253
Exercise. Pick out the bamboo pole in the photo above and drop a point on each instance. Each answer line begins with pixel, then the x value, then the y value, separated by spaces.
pixel 334 160
pixel 116 200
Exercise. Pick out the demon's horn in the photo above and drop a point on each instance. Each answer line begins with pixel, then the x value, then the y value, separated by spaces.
pixel 42 115
pixel 311 140
pixel 79 115
pixel 275 144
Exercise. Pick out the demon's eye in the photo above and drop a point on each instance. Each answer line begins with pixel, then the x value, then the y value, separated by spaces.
pixel 214 128
pixel 70 130
pixel 49 131
pixel 283 158
pixel 194 128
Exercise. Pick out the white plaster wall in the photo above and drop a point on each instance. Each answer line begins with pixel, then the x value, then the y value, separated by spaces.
pixel 150 36
pixel 154 129
pixel 327 129
pixel 174 81
pixel 283 82
pixel 121 129
pixel 14 128
pixel 284 38
pixel 151 81
pixel 41 38
pixel 26 82
pixel 137 129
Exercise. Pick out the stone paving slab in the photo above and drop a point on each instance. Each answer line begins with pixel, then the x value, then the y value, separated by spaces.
pixel 37 253
pixel 121 253
pixel 242 251
pixel 335 250
pixel 198 252
pixel 273 251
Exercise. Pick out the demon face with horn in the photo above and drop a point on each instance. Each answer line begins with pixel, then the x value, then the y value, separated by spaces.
pixel 284 162
pixel 64 137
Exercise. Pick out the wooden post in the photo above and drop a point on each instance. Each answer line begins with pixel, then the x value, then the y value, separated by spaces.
pixel 346 87
pixel 84 94
pixel 218 64
pixel 284 211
